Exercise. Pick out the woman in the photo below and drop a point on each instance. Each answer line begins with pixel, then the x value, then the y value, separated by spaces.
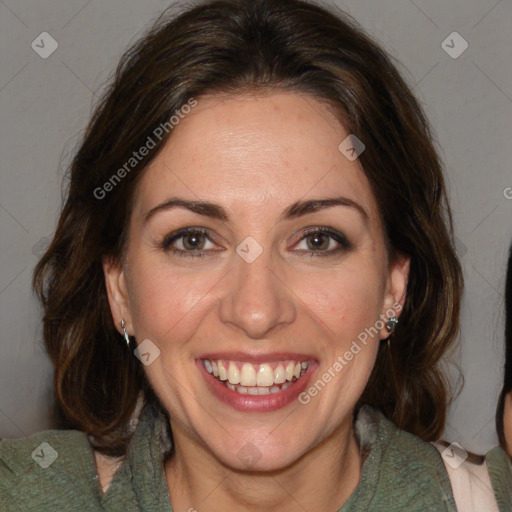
pixel 504 409
pixel 251 283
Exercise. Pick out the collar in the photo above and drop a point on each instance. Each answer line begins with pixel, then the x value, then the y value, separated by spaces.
pixel 140 482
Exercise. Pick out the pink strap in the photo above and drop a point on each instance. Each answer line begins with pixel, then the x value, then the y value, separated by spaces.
pixel 470 482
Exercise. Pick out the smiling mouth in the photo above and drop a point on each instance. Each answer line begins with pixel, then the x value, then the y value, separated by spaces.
pixel 256 379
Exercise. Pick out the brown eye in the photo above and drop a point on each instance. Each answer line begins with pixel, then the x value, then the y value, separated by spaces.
pixel 323 242
pixel 187 242
pixel 194 241
pixel 318 241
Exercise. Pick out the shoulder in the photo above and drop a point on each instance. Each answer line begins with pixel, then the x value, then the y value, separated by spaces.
pixel 499 466
pixel 399 449
pixel 49 469
pixel 416 462
pixel 403 471
pixel 20 455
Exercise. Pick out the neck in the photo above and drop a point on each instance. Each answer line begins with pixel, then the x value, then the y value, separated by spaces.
pixel 321 480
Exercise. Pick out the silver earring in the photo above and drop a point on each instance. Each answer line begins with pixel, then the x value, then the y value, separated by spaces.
pixel 391 324
pixel 126 337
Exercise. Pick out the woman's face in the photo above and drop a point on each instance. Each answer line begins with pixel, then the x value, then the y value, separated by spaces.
pixel 271 286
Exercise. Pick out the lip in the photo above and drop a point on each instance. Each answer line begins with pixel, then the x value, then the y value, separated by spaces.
pixel 256 403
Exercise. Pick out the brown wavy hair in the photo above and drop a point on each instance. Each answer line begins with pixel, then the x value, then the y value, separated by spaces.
pixel 507 380
pixel 232 47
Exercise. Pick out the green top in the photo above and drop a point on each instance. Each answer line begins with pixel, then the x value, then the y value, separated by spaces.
pixel 400 471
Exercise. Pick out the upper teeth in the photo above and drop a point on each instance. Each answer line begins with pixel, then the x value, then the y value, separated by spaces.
pixel 248 374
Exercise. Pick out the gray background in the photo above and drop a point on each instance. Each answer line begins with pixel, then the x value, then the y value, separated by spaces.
pixel 45 103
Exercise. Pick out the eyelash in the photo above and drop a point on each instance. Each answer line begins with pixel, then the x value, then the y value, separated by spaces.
pixel 165 245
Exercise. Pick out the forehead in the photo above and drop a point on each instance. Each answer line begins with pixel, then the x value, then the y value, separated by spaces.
pixel 255 153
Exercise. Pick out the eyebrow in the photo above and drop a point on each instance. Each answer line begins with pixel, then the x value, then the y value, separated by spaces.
pixel 216 211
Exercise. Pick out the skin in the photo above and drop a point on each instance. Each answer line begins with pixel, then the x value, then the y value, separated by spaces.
pixel 507 423
pixel 255 156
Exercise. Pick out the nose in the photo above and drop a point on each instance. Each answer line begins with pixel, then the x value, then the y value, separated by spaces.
pixel 257 298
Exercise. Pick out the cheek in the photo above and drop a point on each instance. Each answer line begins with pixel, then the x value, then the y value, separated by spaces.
pixel 347 300
pixel 162 297
pixel 347 304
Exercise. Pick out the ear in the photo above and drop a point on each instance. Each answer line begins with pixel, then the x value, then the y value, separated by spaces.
pixel 396 287
pixel 115 283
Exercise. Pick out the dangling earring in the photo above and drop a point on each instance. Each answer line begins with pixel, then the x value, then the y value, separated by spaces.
pixel 391 324
pixel 126 337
